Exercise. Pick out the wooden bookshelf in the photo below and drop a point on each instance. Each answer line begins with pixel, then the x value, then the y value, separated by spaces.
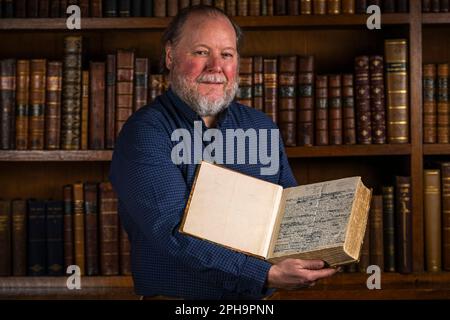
pixel 335 40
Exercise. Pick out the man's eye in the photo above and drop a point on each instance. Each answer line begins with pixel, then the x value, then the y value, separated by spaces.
pixel 201 52
pixel 227 55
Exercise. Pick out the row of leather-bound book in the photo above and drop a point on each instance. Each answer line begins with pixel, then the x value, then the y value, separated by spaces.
pixel 388 238
pixel 435 6
pixel 169 8
pixel 44 237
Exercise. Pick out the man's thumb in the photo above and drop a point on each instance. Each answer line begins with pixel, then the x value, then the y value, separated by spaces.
pixel 313 264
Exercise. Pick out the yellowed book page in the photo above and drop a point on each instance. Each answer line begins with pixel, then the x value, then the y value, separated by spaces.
pixel 316 216
pixel 233 209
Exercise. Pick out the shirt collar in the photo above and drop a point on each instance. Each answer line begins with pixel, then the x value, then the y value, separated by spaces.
pixel 190 114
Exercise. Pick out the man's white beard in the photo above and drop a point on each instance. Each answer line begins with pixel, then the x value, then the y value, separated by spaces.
pixel 201 104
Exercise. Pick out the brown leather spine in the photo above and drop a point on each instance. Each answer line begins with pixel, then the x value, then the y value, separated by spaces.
pixel 96 9
pixel 22 103
pixel 396 55
pixel 84 139
pixel 124 252
pixel 429 104
pixel 270 7
pixel 287 102
pixel 305 114
pixel 71 103
pixel 53 106
pixel 254 8
pixel 159 8
pixel 376 231
pixel 403 211
pixel 38 70
pixel 63 7
pixel 362 100
pixel 5 238
pixel 244 94
pixel 7 103
pixel 334 7
pixel 220 4
pixel 445 176
pixel 432 219
pixel 258 83
pixel 305 6
pixel 321 111
pixel 97 106
pixel 91 218
pixel 19 237
pixel 140 83
pixel 84 6
pixel 293 7
pixel 348 6
pixel 443 107
pixel 110 107
pixel 270 88
pixel 348 110
pixel 78 226
pixel 377 100
pixel 230 8
pixel 172 8
pixel 242 8
pixel 280 7
pixel 335 109
pixel 109 230
pixel 44 8
pixel 320 6
pixel 389 228
pixel 68 226
pixel 124 86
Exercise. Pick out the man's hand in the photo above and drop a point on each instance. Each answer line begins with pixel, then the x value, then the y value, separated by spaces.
pixel 296 273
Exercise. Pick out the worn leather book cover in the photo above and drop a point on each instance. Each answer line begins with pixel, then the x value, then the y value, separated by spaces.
pixel 403 216
pixel 53 105
pixel 140 83
pixel 258 83
pixel 271 88
pixel 7 103
pixel 172 8
pixel 91 226
pixel 443 105
pixel 305 6
pixel 84 138
pixel 334 7
pixel 96 8
pixel 69 257
pixel 321 111
pixel 362 100
pixel 19 237
pixel 79 226
pixel 37 238
pixel 97 106
pixel 242 8
pixel 110 8
pixel 317 221
pixel 55 237
pixel 124 87
pixel 231 9
pixel 445 176
pixel 429 104
pixel 432 219
pixel 348 110
pixel 335 108
pixel 22 103
pixel 125 8
pixel 377 99
pixel 5 237
pixel 348 6
pixel 254 8
pixel 320 6
pixel 305 111
pixel 244 95
pixel 389 228
pixel 287 101
pixel 38 72
pixel 159 8
pixel 376 231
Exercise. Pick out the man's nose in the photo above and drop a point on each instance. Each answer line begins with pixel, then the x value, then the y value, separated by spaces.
pixel 214 63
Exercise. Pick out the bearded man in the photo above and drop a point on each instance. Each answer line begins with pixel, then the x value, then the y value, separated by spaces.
pixel 201 56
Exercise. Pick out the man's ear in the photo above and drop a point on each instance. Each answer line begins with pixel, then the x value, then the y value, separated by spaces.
pixel 169 55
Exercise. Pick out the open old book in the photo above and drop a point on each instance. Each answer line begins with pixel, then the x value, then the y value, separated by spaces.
pixel 324 220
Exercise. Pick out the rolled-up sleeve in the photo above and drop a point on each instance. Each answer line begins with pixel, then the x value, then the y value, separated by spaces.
pixel 154 193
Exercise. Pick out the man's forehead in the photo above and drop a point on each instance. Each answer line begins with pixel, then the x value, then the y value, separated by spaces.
pixel 196 22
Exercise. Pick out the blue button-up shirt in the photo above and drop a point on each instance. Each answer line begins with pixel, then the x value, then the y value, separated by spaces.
pixel 153 191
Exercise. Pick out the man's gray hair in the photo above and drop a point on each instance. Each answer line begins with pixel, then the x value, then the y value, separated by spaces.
pixel 173 32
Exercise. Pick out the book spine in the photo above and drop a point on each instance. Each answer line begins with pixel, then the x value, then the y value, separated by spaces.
pixel 109 230
pixel 19 237
pixel 230 8
pixel 55 238
pixel 396 55
pixel 389 228
pixel 334 7
pixel 445 170
pixel 270 8
pixel 429 104
pixel 388 6
pixel 78 226
pixel 404 224
pixel 140 83
pixel 5 237
pixel 444 5
pixel 305 7
pixel 293 7
pixel 7 101
pixel 91 218
pixel 258 83
pixel 362 100
pixel 159 8
pixel 376 232
pixel 220 4
pixel 402 6
pixel 97 106
pixel 207 2
pixel 53 106
pixel 280 7
pixel 305 115
pixel 84 7
pixel 136 8
pixel 110 107
pixel 377 100
pixel 22 103
pixel 63 4
pixel 348 6
pixel 96 9
pixel 254 8
pixel 44 9
pixel 196 2
pixel 124 87
pixel 443 107
pixel 348 110
pixel 20 9
pixel 68 226
pixel 287 102
pixel 37 238
pixel 84 110
pixel 70 114
pixel 32 8
pixel 321 111
pixel 435 6
pixel 270 88
pixel 320 6
pixel 244 94
pixel 124 253
pixel 110 8
pixel 426 5
pixel 37 103
pixel 242 8
pixel 432 219
pixel 147 9
pixel 360 6
pixel 156 86
pixel 335 109
pixel 125 8
pixel 172 8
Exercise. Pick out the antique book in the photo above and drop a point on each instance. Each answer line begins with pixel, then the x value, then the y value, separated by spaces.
pixel 323 220
pixel 22 103
pixel 258 83
pixel 287 81
pixel 141 67
pixel 426 5
pixel 96 10
pixel 445 179
pixel 136 8
pixel 63 4
pixel 443 107
pixel 348 6
pixel 124 8
pixel 79 226
pixel 7 103
pixel 242 8
pixel 429 104
pixel 36 123
pixel 305 6
pixel 244 92
pixel 376 231
pixel 91 228
pixel 19 237
pixel 348 110
pixel 97 106
pixel 389 228
pixel 270 88
pixel 280 7
pixel 5 238
pixel 84 6
pixel 110 8
pixel 55 237
pixel 403 217
pixel 334 7
pixel 218 4
pixel 53 105
pixel 293 7
pixel 305 103
pixel 172 8
pixel 401 6
pixel 124 252
pixel 110 106
pixel 254 8
pixel 320 6
pixel 68 226
pixel 124 87
pixel 20 8
pixel 360 6
pixel 321 111
pixel 84 110
pixel 335 109
pixel 432 219
pixel 37 238
pixel 362 100
pixel 159 8
pixel 377 99
pixel 230 8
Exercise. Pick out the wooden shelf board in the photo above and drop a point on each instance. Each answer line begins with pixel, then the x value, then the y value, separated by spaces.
pixel 349 151
pixel 436 18
pixel 139 23
pixel 55 155
pixel 436 149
